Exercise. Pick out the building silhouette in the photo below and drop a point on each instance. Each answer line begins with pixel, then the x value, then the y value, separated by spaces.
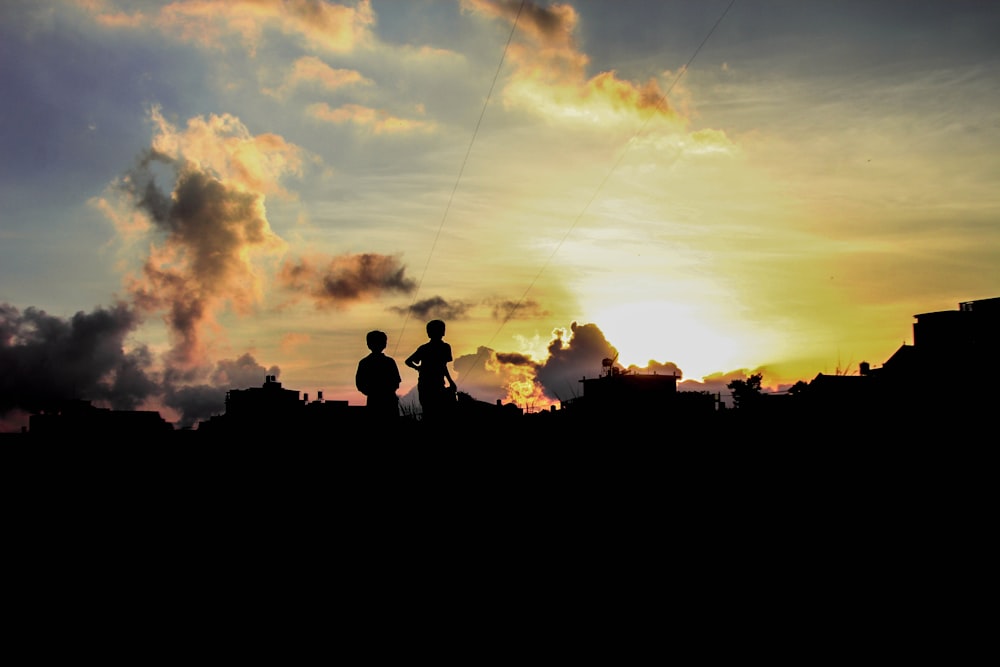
pixel 619 398
pixel 942 383
pixel 75 419
pixel 945 379
pixel 273 410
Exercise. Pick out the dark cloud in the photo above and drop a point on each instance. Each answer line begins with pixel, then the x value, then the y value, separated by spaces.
pixel 573 357
pixel 435 308
pixel 133 380
pixel 140 184
pixel 515 359
pixel 345 279
pixel 196 403
pixel 506 309
pixel 553 22
pixel 47 359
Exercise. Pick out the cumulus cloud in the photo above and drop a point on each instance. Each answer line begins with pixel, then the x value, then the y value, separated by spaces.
pixel 203 259
pixel 194 206
pixel 574 354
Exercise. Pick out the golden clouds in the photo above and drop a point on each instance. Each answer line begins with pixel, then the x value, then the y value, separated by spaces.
pixel 212 23
pixel 121 20
pixel 324 26
pixel 223 145
pixel 328 26
pixel 206 230
pixel 312 69
pixel 205 259
pixel 376 121
pixel 311 72
pixel 550 75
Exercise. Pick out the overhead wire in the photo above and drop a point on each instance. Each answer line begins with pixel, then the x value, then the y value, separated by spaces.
pixel 458 179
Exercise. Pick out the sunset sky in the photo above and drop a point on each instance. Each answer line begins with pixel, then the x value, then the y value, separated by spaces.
pixel 197 194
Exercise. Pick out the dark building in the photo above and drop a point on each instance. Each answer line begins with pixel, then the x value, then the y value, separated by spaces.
pixel 79 420
pixel 963 341
pixel 619 390
pixel 945 378
pixel 271 409
pixel 618 396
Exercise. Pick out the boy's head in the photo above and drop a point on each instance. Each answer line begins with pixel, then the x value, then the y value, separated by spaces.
pixel 435 329
pixel 377 340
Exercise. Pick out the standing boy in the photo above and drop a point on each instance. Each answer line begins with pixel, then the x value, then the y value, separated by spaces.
pixel 431 360
pixel 378 379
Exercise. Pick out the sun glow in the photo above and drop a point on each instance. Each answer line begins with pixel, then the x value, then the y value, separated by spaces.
pixel 664 331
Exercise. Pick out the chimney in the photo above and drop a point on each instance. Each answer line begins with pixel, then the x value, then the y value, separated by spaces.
pixel 319 396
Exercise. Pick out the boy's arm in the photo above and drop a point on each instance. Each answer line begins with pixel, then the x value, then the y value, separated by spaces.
pixel 412 362
pixel 449 358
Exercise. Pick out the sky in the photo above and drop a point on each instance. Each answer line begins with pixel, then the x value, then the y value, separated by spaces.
pixel 201 193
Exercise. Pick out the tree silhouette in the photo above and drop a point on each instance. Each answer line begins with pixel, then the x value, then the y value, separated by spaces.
pixel 798 388
pixel 745 392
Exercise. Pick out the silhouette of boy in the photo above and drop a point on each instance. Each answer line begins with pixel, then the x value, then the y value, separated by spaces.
pixel 378 379
pixel 431 360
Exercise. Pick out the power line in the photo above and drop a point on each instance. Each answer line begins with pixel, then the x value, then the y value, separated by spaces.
pixel 461 170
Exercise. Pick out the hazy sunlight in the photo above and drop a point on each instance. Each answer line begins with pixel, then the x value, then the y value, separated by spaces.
pixel 664 331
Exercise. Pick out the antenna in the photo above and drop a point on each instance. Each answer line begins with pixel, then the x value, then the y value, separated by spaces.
pixel 609 364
